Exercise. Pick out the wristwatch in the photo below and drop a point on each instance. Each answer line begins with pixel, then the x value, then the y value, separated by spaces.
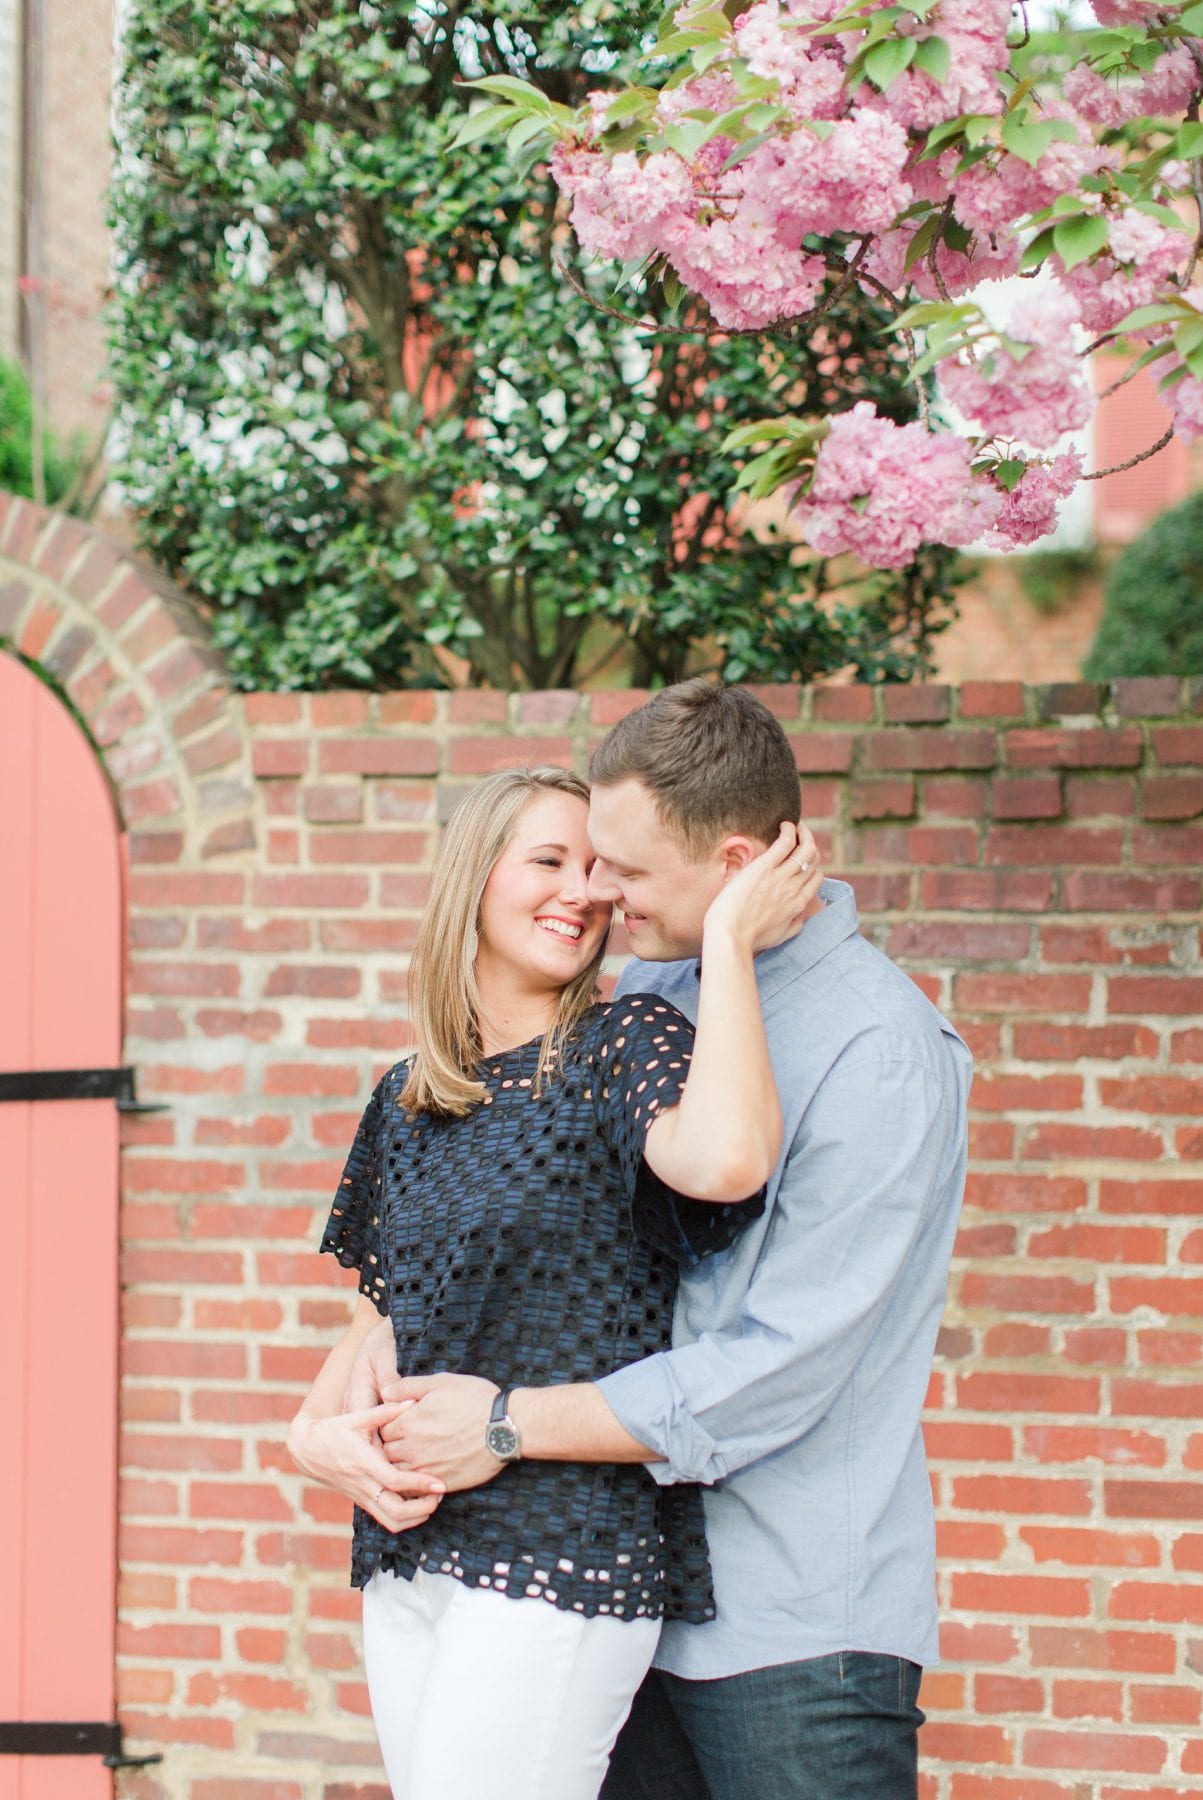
pixel 501 1433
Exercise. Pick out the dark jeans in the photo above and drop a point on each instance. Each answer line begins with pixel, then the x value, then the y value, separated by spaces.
pixel 839 1727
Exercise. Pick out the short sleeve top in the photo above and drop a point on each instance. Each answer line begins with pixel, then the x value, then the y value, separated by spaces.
pixel 527 1241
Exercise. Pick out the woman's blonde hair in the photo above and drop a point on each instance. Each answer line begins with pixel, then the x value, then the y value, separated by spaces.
pixel 444 1000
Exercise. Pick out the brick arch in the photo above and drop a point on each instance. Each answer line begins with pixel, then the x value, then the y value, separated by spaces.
pixel 130 651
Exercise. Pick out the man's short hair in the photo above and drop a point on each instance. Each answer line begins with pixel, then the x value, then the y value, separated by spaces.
pixel 714 759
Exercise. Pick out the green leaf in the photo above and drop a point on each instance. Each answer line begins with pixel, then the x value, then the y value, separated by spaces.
pixel 1029 138
pixel 1076 239
pixel 934 58
pixel 520 91
pixel 1035 253
pixel 1164 214
pixel 1162 313
pixel 1189 141
pixel 922 241
pixel 886 61
pixel 1009 473
pixel 1191 20
pixel 1188 336
pixel 485 122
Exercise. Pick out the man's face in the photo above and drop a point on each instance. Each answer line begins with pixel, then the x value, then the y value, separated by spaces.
pixel 645 872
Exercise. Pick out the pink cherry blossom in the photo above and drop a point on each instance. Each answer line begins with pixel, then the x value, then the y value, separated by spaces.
pixel 1142 254
pixel 1125 12
pixel 881 490
pixel 810 70
pixel 850 180
pixel 1036 398
pixel 1186 402
pixel 621 206
pixel 1029 511
pixel 976 34
pixel 1167 89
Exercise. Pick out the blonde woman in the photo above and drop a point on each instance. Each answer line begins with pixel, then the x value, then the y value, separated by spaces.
pixel 513 1202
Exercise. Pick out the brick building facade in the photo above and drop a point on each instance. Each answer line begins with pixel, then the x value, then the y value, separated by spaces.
pixel 1033 856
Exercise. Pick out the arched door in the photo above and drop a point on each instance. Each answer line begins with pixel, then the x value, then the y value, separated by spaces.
pixel 60 1009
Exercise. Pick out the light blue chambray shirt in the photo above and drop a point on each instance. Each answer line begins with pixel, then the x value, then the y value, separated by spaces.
pixel 802 1354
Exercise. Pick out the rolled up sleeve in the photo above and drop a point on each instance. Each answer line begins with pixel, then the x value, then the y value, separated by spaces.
pixel 878 1147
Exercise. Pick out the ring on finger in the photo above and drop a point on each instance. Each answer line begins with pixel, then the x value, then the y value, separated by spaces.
pixel 802 864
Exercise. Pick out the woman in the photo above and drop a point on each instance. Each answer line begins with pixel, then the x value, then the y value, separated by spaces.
pixel 509 1202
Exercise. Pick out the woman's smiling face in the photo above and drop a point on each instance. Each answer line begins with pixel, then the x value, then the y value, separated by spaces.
pixel 538 927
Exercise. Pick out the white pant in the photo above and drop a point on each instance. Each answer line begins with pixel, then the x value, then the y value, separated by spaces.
pixel 479 1696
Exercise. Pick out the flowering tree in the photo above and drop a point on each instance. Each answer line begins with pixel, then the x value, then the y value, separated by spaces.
pixel 782 153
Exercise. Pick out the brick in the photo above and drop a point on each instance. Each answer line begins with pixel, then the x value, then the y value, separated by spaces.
pixel 991 700
pixel 1072 699
pixel 1165 1705
pixel 882 799
pixel 1087 1548
pixel 400 755
pixel 1129 1143
pixel 919 749
pixel 1017 1338
pixel 221 1594
pixel 969 1786
pixel 1168 846
pixel 1164 1094
pixel 1170 1295
pixel 1006 992
pixel 951 1740
pixel 1088 1700
pixel 1051 1596
pixel 1056 846
pixel 1187 1046
pixel 977 1642
pixel 191 1642
pixel 1161 1399
pixel 1089 890
pixel 256 1643
pixel 258 1024
pixel 1178 743
pixel 1077 1647
pixel 953 797
pixel 1022 1494
pixel 1172 796
pixel 325 890
pixel 1057 1295
pixel 956 1440
pixel 1101 1244
pixel 1145 994
pixel 273 758
pixel 1100 796
pixel 822 753
pixel 1026 1093
pixel 1187 1552
pixel 1147 696
pixel 375 847
pixel 1171 1196
pixel 1094 1750
pixel 1170 1349
pixel 1026 797
pixel 949 939
pixel 985 890
pixel 994 1693
pixel 320 981
pixel 921 704
pixel 1035 1041
pixel 1153 1499
pixel 237 1500
pixel 998 1390
pixel 1093 748
pixel 484 755
pixel 841 705
pixel 333 804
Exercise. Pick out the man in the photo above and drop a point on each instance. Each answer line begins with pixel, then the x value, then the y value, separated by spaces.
pixel 801 1355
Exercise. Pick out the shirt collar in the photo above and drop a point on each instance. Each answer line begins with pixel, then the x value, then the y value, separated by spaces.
pixel 819 936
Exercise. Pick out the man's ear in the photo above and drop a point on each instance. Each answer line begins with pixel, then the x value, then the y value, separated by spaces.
pixel 735 853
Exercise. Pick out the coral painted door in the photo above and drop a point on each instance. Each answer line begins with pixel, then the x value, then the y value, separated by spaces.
pixel 60 1008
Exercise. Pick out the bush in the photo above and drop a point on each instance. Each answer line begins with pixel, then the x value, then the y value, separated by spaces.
pixel 16 442
pixel 370 424
pixel 1152 620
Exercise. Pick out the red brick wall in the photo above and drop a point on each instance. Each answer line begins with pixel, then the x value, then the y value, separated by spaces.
pixel 1032 855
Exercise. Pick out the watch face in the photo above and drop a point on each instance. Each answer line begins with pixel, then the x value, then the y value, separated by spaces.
pixel 502 1440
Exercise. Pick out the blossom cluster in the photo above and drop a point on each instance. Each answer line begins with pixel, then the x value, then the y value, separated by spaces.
pixel 803 137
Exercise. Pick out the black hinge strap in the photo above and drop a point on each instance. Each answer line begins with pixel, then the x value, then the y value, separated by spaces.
pixel 75 1084
pixel 28 1737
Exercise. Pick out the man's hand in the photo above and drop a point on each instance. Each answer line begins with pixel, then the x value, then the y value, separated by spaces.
pixel 375 1366
pixel 444 1432
pixel 344 1453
